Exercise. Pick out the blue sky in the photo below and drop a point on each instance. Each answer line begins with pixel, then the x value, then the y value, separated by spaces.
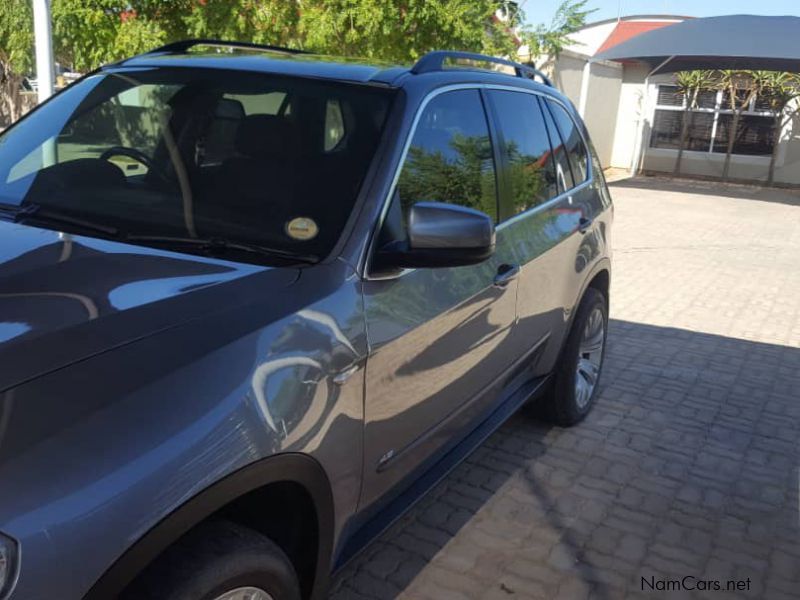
pixel 542 11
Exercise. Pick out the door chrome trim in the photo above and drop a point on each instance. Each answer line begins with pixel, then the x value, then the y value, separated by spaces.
pixel 343 376
pixel 369 248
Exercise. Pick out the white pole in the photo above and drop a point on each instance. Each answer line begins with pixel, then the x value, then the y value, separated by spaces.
pixel 586 75
pixel 45 70
pixel 637 143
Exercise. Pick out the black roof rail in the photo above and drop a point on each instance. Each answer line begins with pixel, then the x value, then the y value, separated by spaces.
pixel 182 46
pixel 434 61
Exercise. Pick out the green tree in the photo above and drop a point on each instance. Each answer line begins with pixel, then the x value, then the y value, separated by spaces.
pixel 16 56
pixel 88 33
pixel 273 22
pixel 402 32
pixel 550 40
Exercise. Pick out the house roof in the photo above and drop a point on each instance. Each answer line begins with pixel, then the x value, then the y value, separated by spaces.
pixel 638 18
pixel 737 42
pixel 626 30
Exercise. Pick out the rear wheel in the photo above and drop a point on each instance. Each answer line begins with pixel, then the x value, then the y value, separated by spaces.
pixel 219 560
pixel 577 374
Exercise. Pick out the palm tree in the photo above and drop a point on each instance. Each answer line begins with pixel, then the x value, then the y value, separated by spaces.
pixel 690 84
pixel 733 82
pixel 781 89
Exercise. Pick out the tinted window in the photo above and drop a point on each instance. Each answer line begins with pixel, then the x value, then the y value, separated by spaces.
pixel 578 157
pixel 526 146
pixel 179 153
pixel 563 170
pixel 450 157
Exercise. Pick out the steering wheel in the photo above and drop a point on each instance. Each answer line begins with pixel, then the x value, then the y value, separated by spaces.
pixel 133 153
pixel 136 155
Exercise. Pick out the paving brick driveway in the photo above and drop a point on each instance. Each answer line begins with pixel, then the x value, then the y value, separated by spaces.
pixel 689 463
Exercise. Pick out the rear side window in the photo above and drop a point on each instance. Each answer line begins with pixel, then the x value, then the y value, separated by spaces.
pixel 563 170
pixel 526 147
pixel 576 150
pixel 450 158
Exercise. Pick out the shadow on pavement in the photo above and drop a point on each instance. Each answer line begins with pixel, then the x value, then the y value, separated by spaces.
pixel 712 188
pixel 688 465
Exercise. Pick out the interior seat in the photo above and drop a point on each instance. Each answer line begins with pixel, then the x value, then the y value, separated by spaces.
pixel 261 174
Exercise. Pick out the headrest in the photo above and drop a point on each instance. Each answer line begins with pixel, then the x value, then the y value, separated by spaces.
pixel 265 135
pixel 227 108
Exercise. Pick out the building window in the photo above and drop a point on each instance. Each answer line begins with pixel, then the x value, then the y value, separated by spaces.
pixel 710 124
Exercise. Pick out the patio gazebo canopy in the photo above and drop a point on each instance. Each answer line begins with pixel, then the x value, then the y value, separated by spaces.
pixel 736 42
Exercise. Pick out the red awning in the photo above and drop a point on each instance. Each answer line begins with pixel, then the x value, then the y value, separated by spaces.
pixel 626 30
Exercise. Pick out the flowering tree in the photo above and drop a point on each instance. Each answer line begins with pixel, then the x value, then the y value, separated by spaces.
pixel 90 33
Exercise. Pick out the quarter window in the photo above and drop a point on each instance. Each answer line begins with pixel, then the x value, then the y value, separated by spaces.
pixel 450 157
pixel 563 170
pixel 526 147
pixel 576 150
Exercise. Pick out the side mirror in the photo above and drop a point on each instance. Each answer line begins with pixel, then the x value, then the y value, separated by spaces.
pixel 441 235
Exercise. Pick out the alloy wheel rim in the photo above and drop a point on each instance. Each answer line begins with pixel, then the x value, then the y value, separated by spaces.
pixel 245 593
pixel 590 358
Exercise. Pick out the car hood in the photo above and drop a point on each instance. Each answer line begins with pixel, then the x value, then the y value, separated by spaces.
pixel 64 298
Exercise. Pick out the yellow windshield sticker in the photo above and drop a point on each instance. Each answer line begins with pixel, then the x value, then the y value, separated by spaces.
pixel 302 228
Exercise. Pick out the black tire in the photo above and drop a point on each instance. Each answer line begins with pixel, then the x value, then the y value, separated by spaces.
pixel 214 558
pixel 560 405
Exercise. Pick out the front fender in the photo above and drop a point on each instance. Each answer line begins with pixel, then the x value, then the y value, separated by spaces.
pixel 297 468
pixel 99 454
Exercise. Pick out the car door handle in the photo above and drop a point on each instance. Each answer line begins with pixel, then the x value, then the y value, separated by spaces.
pixel 584 224
pixel 505 275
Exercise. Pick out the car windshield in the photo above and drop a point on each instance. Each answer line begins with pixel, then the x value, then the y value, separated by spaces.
pixel 176 156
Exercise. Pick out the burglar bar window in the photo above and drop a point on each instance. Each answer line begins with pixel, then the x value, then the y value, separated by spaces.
pixel 710 123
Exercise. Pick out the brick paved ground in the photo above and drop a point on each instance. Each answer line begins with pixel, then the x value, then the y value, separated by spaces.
pixel 688 464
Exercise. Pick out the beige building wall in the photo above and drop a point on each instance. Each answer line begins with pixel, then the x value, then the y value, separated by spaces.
pixel 595 93
pixel 599 107
pixel 567 75
pixel 629 112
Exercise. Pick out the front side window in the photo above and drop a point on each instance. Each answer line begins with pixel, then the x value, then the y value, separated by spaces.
pixel 173 157
pixel 526 146
pixel 450 157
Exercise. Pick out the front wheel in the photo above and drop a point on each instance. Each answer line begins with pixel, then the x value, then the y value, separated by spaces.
pixel 577 374
pixel 218 561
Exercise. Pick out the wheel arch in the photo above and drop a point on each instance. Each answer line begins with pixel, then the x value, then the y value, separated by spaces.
pixel 291 468
pixel 599 278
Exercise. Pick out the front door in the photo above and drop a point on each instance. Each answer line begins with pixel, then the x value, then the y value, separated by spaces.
pixel 439 338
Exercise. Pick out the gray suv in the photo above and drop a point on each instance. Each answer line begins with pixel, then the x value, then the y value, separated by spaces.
pixel 256 302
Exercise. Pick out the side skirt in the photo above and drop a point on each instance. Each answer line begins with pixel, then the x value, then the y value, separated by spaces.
pixel 433 474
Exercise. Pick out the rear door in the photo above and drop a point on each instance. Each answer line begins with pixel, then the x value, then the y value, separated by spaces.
pixel 439 338
pixel 541 215
pixel 580 205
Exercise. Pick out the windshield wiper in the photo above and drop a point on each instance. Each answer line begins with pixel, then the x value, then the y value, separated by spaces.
pixel 218 245
pixel 21 214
